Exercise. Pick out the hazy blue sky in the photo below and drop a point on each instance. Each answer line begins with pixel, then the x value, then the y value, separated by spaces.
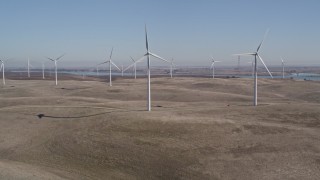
pixel 187 30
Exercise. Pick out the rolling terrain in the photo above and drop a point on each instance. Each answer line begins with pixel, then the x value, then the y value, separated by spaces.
pixel 199 128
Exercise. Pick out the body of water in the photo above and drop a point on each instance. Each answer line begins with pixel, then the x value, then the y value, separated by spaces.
pixel 300 76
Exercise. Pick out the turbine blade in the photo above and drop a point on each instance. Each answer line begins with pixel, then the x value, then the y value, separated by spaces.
pixel 60 56
pixel 111 53
pixel 102 63
pixel 212 65
pixel 115 65
pixel 145 29
pixel 139 60
pixel 264 65
pixel 132 59
pixel 245 54
pixel 131 65
pixel 156 56
pixel 50 59
pixel 265 35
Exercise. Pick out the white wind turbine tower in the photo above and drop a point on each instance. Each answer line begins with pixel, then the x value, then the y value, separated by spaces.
pixel 29 67
pixel 55 65
pixel 256 54
pixel 282 61
pixel 171 67
pixel 212 66
pixel 2 69
pixel 110 64
pixel 135 67
pixel 148 54
pixel 43 70
pixel 121 70
pixel 97 71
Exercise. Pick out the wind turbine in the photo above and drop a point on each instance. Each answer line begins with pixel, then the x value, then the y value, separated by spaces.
pixel 171 67
pixel 148 54
pixel 122 70
pixel 55 65
pixel 282 61
pixel 212 66
pixel 110 63
pixel 29 67
pixel 2 69
pixel 97 71
pixel 43 70
pixel 134 65
pixel 256 54
pixel 252 67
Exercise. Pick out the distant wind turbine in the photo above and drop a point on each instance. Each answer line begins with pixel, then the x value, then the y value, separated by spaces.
pixel 122 70
pixel 29 67
pixel 171 67
pixel 97 71
pixel 2 69
pixel 212 66
pixel 134 65
pixel 55 65
pixel 252 67
pixel 282 61
pixel 256 54
pixel 43 70
pixel 110 64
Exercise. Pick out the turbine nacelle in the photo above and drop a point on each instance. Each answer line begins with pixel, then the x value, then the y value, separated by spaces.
pixel 56 58
pixel 282 60
pixel 109 61
pixel 213 61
